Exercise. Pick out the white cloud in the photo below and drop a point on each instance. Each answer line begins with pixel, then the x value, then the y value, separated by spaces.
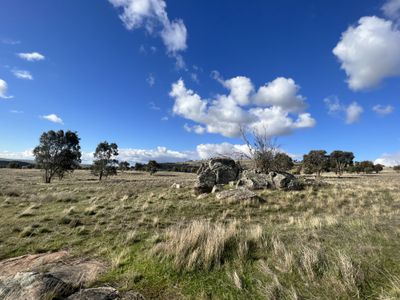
pixel 152 15
pixel 282 92
pixel 14 111
pixel 369 52
pixel 196 129
pixel 389 159
pixel 33 56
pixel 22 74
pixel 165 118
pixel 227 114
pixel 383 110
pixel 206 151
pixel 160 154
pixel 241 88
pixel 53 118
pixel 353 113
pixel 151 80
pixel 3 90
pixel 391 9
pixel 27 154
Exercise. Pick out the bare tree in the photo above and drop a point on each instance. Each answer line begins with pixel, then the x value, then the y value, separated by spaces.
pixel 262 151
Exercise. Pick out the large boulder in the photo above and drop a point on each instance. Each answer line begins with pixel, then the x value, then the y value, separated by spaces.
pixel 216 171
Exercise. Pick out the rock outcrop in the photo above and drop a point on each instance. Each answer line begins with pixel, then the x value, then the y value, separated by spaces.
pixel 216 171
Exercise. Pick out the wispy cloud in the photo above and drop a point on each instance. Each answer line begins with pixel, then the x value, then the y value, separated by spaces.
pixel 53 118
pixel 8 41
pixel 32 56
pixel 152 15
pixel 352 112
pixel 14 111
pixel 383 110
pixel 153 106
pixel 22 74
pixel 151 80
pixel 3 90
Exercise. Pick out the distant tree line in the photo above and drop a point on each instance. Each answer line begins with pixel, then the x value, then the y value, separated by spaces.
pixel 318 161
pixel 59 153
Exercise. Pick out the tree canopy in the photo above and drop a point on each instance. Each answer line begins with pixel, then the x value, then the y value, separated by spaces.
pixel 57 153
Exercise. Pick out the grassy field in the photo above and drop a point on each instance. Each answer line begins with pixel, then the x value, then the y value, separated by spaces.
pixel 337 240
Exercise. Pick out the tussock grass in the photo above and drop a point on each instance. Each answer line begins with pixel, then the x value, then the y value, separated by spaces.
pixel 337 239
pixel 205 245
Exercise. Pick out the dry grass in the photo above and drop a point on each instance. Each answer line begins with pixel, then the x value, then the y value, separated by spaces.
pixel 337 240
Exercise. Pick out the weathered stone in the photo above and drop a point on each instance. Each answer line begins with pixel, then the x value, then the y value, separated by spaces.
pixel 100 293
pixel 284 181
pixel 274 180
pixel 237 195
pixel 216 171
pixel 253 180
pixel 33 286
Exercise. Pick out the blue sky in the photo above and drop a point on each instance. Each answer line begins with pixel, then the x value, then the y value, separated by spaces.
pixel 173 80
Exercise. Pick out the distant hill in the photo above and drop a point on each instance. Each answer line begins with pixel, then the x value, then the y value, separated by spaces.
pixel 23 163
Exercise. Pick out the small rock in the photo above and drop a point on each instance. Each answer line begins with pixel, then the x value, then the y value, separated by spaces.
pixel 176 186
pixel 217 188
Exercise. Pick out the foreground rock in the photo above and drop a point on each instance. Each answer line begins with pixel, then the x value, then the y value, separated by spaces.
pixel 32 286
pixel 217 171
pixel 102 293
pixel 274 180
pixel 54 276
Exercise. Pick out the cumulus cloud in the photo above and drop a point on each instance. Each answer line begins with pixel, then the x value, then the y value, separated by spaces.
pixel 32 56
pixel 383 110
pixel 53 118
pixel 391 9
pixel 152 15
pixel 243 107
pixel 282 92
pixel 353 113
pixel 389 159
pixel 22 74
pixel 369 52
pixel 3 90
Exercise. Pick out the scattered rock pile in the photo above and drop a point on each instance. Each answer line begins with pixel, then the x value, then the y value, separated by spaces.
pixel 217 172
